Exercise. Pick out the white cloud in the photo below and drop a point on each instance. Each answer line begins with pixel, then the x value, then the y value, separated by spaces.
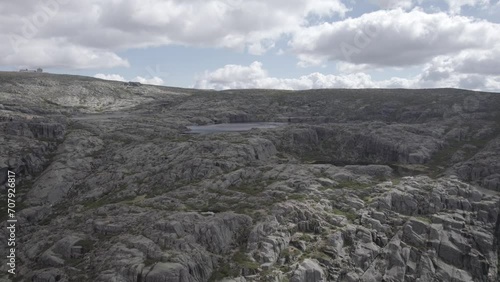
pixel 455 6
pixel 345 67
pixel 87 34
pixel 261 47
pixel 254 76
pixel 29 35
pixel 478 62
pixel 90 35
pixel 153 80
pixel 469 70
pixel 237 73
pixel 57 53
pixel 393 38
pixel 393 4
pixel 116 77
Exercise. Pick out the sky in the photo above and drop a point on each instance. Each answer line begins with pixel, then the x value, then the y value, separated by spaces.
pixel 282 44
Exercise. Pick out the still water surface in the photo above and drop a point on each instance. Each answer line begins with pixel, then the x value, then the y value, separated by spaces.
pixel 233 127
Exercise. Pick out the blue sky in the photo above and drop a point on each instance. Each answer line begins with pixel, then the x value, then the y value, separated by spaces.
pixel 293 44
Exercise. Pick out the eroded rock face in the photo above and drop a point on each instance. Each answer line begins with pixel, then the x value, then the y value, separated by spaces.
pixel 309 270
pixel 370 143
pixel 483 167
pixel 360 185
pixel 446 237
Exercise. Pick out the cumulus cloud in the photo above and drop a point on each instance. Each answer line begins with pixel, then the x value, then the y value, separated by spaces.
pixel 345 67
pixel 255 76
pixel 393 4
pixel 98 29
pixel 393 38
pixel 91 35
pixel 116 77
pixel 469 70
pixel 455 6
pixel 152 80
pixel 230 73
pixel 483 62
pixel 30 37
pixel 56 53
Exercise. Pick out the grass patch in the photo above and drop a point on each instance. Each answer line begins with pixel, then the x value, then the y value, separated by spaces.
pixel 238 141
pixel 297 197
pixel 244 207
pixel 286 253
pixel 424 219
pixel 258 216
pixel 349 215
pixel 442 159
pixel 249 189
pixel 352 185
pixel 243 261
pixel 221 192
pixel 135 200
pixel 222 272
pixel 319 255
pixel 368 199
pixel 396 181
pixel 233 268
pixel 149 262
pixel 105 200
pixel 306 238
pixel 94 204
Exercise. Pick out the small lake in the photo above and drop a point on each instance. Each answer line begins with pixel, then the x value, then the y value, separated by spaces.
pixel 233 127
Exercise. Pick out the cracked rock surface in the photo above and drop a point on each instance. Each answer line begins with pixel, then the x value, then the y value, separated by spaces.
pixel 357 185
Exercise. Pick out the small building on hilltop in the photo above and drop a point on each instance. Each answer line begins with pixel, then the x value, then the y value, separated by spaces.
pixel 39 70
pixel 132 83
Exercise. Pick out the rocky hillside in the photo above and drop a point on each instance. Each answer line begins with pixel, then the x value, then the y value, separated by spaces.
pixel 359 185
